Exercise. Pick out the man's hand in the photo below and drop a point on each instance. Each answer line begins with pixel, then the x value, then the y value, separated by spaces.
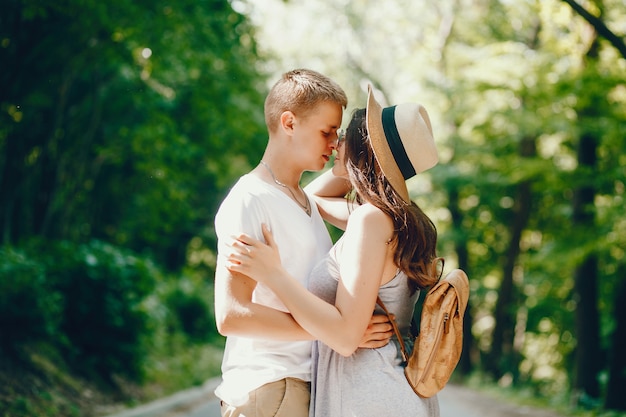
pixel 378 332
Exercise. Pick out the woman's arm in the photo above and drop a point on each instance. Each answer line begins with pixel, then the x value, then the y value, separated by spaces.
pixel 364 253
pixel 328 185
pixel 237 315
pixel 329 192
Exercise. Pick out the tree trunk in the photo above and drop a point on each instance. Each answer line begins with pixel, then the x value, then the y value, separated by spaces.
pixel 587 356
pixel 465 363
pixel 503 358
pixel 587 317
pixel 615 398
pixel 11 178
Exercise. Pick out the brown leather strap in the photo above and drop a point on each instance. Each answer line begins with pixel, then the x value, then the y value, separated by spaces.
pixel 405 356
pixel 435 272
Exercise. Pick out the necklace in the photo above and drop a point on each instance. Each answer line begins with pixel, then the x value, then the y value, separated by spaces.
pixel 306 207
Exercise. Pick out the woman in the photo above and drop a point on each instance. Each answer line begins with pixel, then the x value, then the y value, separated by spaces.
pixel 386 250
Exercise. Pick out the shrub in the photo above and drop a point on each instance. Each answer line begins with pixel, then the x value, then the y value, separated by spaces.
pixel 191 314
pixel 103 319
pixel 30 309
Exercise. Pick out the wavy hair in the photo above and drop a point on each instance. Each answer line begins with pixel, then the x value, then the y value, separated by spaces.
pixel 415 235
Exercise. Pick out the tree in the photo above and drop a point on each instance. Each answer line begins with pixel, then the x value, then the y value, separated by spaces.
pixel 600 27
pixel 615 399
pixel 118 120
pixel 586 275
pixel 504 88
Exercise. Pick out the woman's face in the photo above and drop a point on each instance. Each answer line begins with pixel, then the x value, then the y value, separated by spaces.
pixel 339 166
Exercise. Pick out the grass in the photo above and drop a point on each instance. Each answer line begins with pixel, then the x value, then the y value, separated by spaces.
pixel 189 367
pixel 38 384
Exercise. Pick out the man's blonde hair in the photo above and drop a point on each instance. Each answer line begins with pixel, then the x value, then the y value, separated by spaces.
pixel 299 91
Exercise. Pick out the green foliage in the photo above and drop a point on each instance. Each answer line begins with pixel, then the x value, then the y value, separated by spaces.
pixel 121 125
pixel 532 88
pixel 190 310
pixel 30 307
pixel 179 365
pixel 103 318
pixel 86 300
pixel 124 121
pixel 75 314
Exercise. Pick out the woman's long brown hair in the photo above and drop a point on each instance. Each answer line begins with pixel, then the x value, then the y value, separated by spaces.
pixel 415 235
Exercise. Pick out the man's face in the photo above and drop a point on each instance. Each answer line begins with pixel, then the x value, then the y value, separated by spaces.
pixel 315 135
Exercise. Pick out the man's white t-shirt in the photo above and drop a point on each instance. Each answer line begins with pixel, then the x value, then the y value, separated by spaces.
pixel 249 363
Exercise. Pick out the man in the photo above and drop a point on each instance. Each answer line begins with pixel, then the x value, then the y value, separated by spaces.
pixel 267 359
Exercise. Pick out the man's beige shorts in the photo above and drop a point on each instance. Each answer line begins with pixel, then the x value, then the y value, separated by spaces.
pixel 287 397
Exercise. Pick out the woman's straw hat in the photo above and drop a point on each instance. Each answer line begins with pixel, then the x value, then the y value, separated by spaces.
pixel 402 139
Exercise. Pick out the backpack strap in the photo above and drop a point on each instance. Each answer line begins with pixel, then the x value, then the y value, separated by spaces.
pixel 405 356
pixel 435 271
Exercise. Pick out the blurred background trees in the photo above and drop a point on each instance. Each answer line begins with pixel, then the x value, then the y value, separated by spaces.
pixel 123 125
pixel 122 122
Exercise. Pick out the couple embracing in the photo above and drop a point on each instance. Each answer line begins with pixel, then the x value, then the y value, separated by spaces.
pixel 304 334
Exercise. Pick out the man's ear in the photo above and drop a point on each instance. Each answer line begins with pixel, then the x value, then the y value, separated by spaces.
pixel 287 122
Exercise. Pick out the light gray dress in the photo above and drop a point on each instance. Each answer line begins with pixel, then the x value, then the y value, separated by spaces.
pixel 370 382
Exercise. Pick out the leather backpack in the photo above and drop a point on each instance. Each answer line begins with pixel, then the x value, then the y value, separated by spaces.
pixel 437 348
